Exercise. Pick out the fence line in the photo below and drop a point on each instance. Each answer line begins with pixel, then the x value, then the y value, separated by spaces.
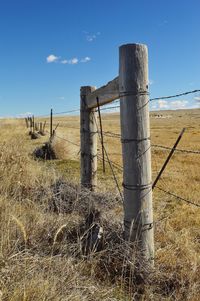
pixel 132 90
pixel 189 151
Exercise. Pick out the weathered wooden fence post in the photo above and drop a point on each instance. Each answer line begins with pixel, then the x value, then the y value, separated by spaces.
pixel 33 123
pixel 44 127
pixel 135 131
pixel 51 123
pixel 30 123
pixel 36 126
pixel 88 132
pixel 40 127
pixel 26 120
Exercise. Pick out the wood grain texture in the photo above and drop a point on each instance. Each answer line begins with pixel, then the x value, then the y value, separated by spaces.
pixel 134 116
pixel 106 94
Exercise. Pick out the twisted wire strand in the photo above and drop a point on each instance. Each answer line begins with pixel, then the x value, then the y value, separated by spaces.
pixel 177 196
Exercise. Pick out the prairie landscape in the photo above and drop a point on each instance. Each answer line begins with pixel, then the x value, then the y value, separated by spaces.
pixel 43 215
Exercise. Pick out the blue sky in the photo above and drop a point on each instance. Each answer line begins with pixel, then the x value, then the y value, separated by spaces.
pixel 48 49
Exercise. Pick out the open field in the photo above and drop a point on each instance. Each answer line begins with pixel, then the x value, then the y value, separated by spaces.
pixel 40 257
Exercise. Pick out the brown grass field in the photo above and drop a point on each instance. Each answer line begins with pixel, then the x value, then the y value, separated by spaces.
pixel 42 216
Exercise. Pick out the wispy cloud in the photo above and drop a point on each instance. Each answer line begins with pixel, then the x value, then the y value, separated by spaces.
pixel 52 58
pixel 85 59
pixel 178 104
pixel 23 115
pixel 72 61
pixel 197 99
pixel 61 97
pixel 162 104
pixel 90 37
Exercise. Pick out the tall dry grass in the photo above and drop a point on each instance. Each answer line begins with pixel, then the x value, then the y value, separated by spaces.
pixel 42 220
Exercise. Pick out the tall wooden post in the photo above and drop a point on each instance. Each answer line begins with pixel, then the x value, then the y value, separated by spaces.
pixel 135 131
pixel 88 132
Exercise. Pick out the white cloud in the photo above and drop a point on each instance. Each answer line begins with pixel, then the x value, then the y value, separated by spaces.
pixel 197 98
pixel 61 97
pixel 85 59
pixel 178 104
pixel 162 104
pixel 52 58
pixel 170 105
pixel 73 61
pixel 23 115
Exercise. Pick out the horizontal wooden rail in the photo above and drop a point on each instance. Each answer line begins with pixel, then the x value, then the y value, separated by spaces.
pixel 106 94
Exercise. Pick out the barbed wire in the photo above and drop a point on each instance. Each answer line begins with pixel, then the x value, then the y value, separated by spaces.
pixel 110 108
pixel 120 168
pixel 118 106
pixel 112 135
pixel 188 151
pixel 67 127
pixel 109 162
pixel 67 140
pixel 175 95
pixel 177 196
pixel 67 112
pixel 116 165
pixel 73 143
pixel 58 113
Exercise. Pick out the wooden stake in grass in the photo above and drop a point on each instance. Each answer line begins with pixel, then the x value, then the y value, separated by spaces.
pixel 135 132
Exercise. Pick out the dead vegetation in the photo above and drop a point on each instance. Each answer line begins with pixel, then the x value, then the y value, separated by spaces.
pixel 45 223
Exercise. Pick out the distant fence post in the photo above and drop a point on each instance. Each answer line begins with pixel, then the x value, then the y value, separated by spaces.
pixel 40 127
pixel 26 120
pixel 33 123
pixel 36 127
pixel 135 132
pixel 43 129
pixel 88 132
pixel 51 123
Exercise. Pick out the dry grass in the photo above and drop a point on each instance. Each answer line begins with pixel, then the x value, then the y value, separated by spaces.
pixel 42 220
